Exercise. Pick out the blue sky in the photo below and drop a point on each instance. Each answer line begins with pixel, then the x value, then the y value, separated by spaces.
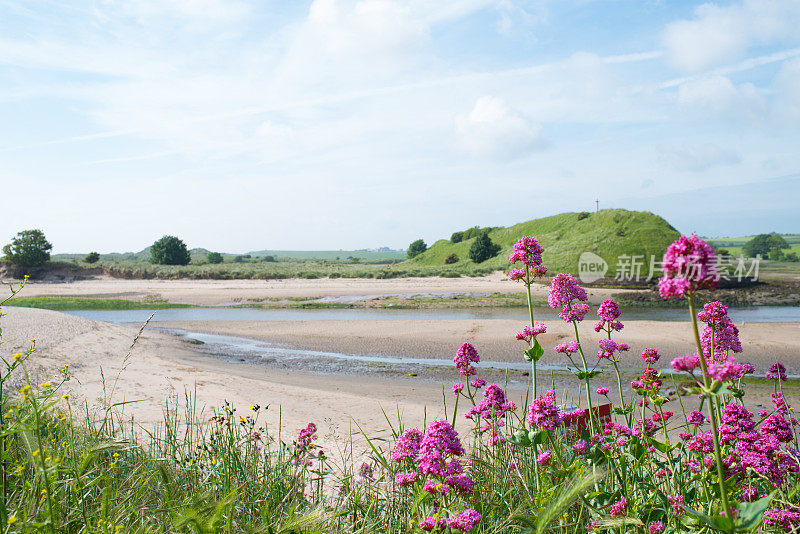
pixel 346 124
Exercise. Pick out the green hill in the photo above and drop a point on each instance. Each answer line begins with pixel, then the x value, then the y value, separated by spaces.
pixel 608 233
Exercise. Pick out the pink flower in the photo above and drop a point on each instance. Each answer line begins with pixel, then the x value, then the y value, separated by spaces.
pixel 686 364
pixel 650 356
pixel 544 458
pixel 462 483
pixel 465 356
pixel 366 471
pixel 580 447
pixel 777 372
pixel 568 347
pixel 602 390
pixel 564 289
pixel 439 444
pixel 528 251
pixel 619 508
pixel 407 445
pixel 609 347
pixel 465 521
pixel 729 370
pixel 428 524
pixel 478 383
pixel 458 388
pixel 677 504
pixel 529 332
pixel 656 527
pixel 608 312
pixel 406 479
pixel 689 264
pixel 696 418
pixel 714 313
pixel 543 412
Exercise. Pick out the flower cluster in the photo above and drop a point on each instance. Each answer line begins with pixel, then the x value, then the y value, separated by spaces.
pixel 609 314
pixel 609 348
pixel 434 456
pixel 543 412
pixel 492 410
pixel 528 333
pixel 689 264
pixel 465 356
pixel 567 294
pixel 528 251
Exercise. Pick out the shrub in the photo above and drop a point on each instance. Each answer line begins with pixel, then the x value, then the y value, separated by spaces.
pixel 583 215
pixel 776 254
pixel 238 259
pixel 416 248
pixel 169 250
pixel 483 248
pixel 92 257
pixel 763 244
pixel 457 237
pixel 29 248
pixel 214 257
pixel 451 258
pixel 268 259
pixel 792 256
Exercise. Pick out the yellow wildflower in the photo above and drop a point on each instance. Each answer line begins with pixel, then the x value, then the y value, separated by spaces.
pixel 45 385
pixel 18 356
pixel 12 519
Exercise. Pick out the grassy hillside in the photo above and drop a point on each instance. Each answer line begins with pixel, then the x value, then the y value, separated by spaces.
pixel 732 242
pixel 608 233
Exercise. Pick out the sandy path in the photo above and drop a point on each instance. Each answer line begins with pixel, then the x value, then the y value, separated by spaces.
pixel 162 366
pixel 764 343
pixel 222 292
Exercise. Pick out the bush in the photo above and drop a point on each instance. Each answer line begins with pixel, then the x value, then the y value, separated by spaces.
pixel 763 244
pixel 238 259
pixel 457 237
pixel 776 254
pixel 792 256
pixel 416 248
pixel 583 215
pixel 483 248
pixel 214 257
pixel 450 259
pixel 92 257
pixel 29 248
pixel 268 259
pixel 169 250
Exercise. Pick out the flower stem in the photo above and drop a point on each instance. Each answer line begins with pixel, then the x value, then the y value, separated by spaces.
pixel 712 410
pixel 530 312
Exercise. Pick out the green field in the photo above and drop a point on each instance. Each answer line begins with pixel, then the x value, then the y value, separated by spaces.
pixel 607 233
pixel 737 242
pixel 199 256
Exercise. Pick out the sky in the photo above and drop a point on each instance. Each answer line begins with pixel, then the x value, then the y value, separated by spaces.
pixel 337 124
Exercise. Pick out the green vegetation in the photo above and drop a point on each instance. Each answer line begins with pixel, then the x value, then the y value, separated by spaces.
pixel 28 249
pixel 416 248
pixel 483 249
pixel 214 257
pixel 76 303
pixel 92 257
pixel 451 259
pixel 567 235
pixel 169 250
pixel 765 245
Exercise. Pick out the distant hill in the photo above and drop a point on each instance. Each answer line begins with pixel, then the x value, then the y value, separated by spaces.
pixel 607 233
pixel 367 255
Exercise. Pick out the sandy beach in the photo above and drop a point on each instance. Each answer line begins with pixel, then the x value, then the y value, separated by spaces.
pixel 226 292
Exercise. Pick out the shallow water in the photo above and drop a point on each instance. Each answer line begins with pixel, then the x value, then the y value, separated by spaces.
pixel 754 314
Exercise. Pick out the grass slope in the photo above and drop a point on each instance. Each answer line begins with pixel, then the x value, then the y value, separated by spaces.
pixel 607 233
pixel 77 303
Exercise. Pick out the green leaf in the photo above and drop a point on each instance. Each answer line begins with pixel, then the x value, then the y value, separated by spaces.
pixel 580 375
pixel 538 437
pixel 663 447
pixel 520 438
pixel 750 513
pixel 535 352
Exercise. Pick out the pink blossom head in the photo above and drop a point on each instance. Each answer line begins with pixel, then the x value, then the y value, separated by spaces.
pixel 686 364
pixel 465 521
pixel 714 313
pixel 458 388
pixel 407 445
pixel 439 443
pixel 650 356
pixel 602 390
pixel 529 332
pixel 689 264
pixel 543 412
pixel 568 347
pixel 777 371
pixel 726 371
pixel 544 458
pixel 566 293
pixel 580 447
pixel 609 313
pixel 465 356
pixel 619 508
pixel 528 251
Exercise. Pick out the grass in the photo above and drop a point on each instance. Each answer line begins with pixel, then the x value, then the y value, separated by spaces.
pixel 75 303
pixel 608 233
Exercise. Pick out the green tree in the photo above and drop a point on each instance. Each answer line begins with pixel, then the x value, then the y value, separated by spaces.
pixel 763 244
pixel 92 257
pixel 457 237
pixel 416 248
pixel 214 257
pixel 169 250
pixel 483 248
pixel 29 248
pixel 450 259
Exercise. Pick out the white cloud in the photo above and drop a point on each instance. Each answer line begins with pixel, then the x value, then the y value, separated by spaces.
pixel 697 157
pixel 494 130
pixel 787 94
pixel 718 34
pixel 719 97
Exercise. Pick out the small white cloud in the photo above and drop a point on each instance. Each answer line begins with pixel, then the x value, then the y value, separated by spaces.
pixel 494 130
pixel 718 34
pixel 787 94
pixel 697 158
pixel 718 96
